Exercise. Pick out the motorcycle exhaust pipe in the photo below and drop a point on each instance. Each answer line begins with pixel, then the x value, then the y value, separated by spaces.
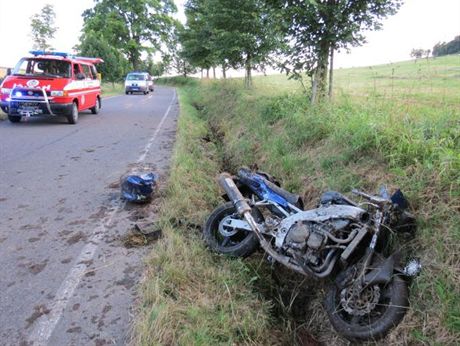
pixel 228 185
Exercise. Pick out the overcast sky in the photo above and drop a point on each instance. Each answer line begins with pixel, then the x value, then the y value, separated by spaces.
pixel 418 24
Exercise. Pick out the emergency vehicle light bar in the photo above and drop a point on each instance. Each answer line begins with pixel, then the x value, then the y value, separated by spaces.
pixel 42 52
pixel 67 55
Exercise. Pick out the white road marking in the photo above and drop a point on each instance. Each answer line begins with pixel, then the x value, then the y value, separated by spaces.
pixel 47 323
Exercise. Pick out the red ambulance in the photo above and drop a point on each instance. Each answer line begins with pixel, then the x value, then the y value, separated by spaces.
pixel 51 83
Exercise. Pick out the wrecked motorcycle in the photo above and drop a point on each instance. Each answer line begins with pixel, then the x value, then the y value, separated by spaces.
pixel 340 239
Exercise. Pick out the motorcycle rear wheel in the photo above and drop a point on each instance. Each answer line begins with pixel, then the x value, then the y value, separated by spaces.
pixel 390 307
pixel 237 243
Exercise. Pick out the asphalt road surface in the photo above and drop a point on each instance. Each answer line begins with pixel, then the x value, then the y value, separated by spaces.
pixel 66 275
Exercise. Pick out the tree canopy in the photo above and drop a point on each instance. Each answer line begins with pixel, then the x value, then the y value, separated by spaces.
pixel 115 65
pixel 43 27
pixel 133 27
pixel 315 28
pixel 450 47
pixel 236 33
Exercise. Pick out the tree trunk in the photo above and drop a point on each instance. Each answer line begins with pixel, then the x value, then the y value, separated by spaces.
pixel 320 80
pixel 331 72
pixel 207 73
pixel 224 71
pixel 201 73
pixel 214 72
pixel 248 76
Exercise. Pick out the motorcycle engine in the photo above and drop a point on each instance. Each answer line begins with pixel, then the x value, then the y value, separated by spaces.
pixel 306 239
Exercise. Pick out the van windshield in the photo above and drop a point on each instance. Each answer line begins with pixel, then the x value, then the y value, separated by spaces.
pixel 42 68
pixel 136 77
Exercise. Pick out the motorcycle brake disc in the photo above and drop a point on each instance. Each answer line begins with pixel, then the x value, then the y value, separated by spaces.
pixel 358 302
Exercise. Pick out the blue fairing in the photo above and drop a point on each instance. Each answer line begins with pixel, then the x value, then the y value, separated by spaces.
pixel 257 184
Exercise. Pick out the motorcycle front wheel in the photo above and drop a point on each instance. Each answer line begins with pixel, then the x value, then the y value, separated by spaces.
pixel 367 314
pixel 229 241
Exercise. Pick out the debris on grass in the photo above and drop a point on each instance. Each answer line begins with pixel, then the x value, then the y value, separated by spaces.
pixel 142 234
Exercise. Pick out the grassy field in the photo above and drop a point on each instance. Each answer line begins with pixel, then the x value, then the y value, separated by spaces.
pixel 109 89
pixel 396 124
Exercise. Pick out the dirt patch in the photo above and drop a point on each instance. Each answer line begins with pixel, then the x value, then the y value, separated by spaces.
pixel 37 267
pixel 74 330
pixel 80 236
pixel 64 233
pixel 39 311
pixel 77 222
pixel 100 214
pixel 127 282
pixel 136 239
pixel 114 185
pixel 29 227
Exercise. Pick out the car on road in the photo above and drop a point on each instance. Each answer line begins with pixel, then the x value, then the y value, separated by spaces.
pixel 138 82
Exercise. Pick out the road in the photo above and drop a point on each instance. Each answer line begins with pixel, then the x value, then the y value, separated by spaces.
pixel 67 277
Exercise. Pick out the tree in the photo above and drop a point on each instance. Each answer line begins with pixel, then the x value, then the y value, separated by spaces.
pixel 246 33
pixel 230 33
pixel 417 53
pixel 315 28
pixel 134 26
pixel 197 38
pixel 174 57
pixel 115 65
pixel 43 27
pixel 444 48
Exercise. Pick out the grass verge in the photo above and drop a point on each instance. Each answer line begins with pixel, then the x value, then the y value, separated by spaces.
pixel 112 89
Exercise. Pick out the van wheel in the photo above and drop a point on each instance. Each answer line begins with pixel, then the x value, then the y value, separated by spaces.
pixel 14 118
pixel 96 107
pixel 72 118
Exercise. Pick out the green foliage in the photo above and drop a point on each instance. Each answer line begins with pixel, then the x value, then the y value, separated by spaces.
pixel 240 34
pixel 450 47
pixel 133 27
pixel 43 27
pixel 115 65
pixel 314 28
pixel 175 56
pixel 417 53
pixel 197 38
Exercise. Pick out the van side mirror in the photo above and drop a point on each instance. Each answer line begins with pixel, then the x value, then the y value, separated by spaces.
pixel 8 71
pixel 80 76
